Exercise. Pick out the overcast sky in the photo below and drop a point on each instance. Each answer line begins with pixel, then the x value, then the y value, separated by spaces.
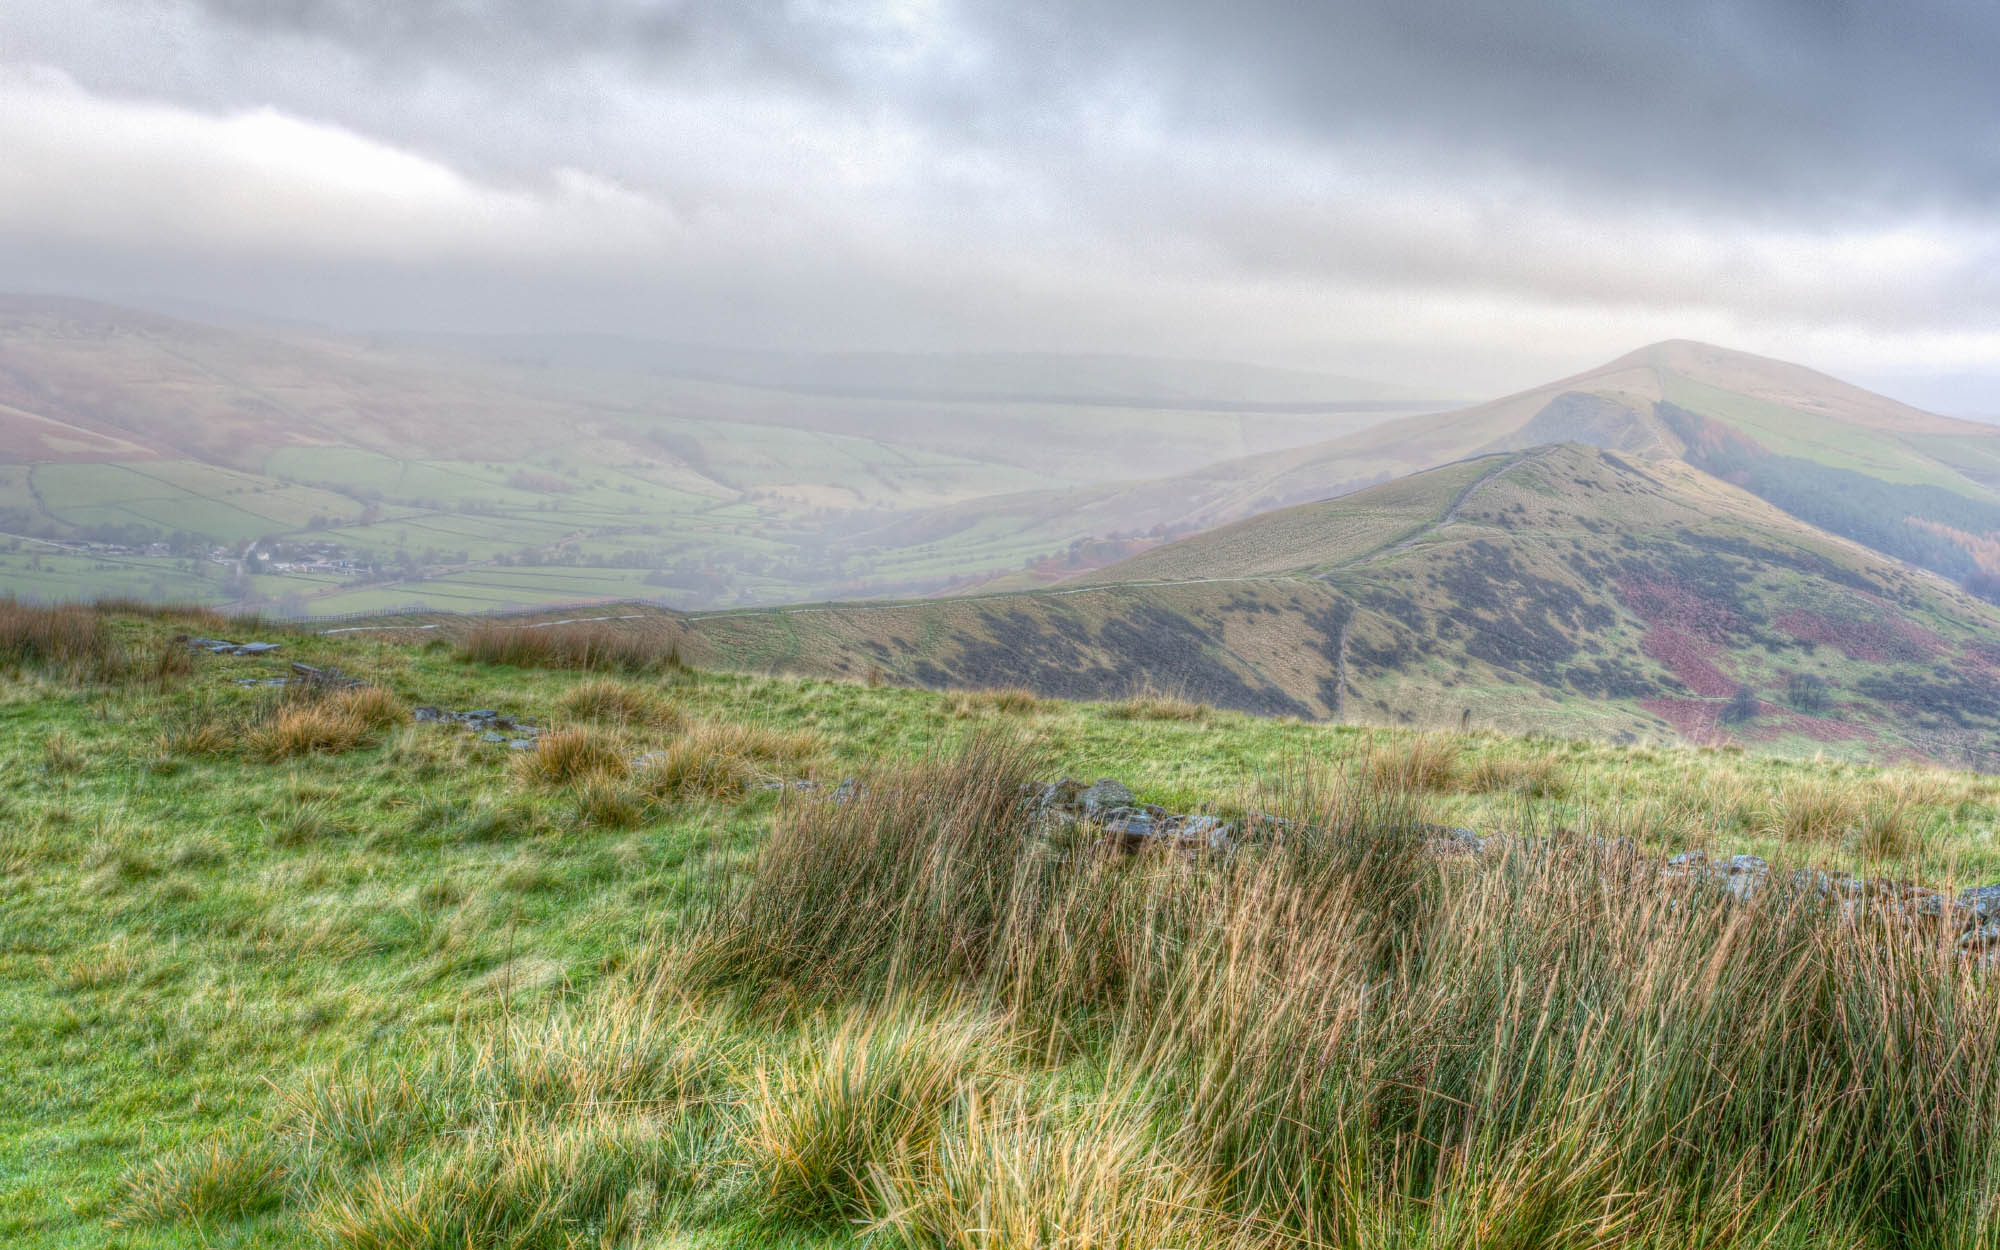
pixel 1469 196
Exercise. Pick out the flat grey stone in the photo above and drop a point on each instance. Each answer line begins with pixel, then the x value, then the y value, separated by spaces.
pixel 1984 900
pixel 1104 795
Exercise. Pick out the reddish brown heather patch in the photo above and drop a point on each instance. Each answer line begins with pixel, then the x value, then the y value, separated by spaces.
pixel 1872 641
pixel 1693 719
pixel 1688 657
pixel 1774 720
pixel 1675 606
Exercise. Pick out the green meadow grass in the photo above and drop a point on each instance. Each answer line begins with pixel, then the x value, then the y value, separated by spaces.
pixel 277 971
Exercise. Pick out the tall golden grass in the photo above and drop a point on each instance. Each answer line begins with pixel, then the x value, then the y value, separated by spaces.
pixel 610 702
pixel 67 639
pixel 308 721
pixel 595 646
pixel 1353 1044
pixel 917 1018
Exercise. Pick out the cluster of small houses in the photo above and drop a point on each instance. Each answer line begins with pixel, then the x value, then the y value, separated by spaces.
pixel 314 558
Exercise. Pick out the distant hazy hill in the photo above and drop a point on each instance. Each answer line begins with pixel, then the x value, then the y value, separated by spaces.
pixel 1561 588
pixel 492 473
pixel 1007 377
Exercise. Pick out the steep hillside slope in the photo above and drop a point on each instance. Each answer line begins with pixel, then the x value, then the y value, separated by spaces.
pixel 1918 486
pixel 1561 588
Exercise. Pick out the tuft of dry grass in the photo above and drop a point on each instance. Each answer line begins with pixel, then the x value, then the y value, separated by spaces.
pixel 67 640
pixel 221 1178
pixel 721 761
pixel 625 646
pixel 375 708
pixel 1812 810
pixel 1008 1173
pixel 62 754
pixel 1535 777
pixel 196 729
pixel 851 1100
pixel 165 663
pixel 605 803
pixel 610 702
pixel 304 720
pixel 573 754
pixel 190 616
pixel 1156 707
pixel 760 744
pixel 689 769
pixel 1889 830
pixel 1419 764
pixel 303 822
pixel 1013 701
pixel 304 729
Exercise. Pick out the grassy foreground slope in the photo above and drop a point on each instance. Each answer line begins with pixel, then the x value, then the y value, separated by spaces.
pixel 1562 588
pixel 279 966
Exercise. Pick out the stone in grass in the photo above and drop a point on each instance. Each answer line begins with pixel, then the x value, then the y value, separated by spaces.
pixel 1102 797
pixel 1983 901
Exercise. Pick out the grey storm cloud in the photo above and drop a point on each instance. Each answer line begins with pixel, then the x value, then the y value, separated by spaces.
pixel 1359 184
pixel 1849 102
pixel 1845 105
pixel 488 37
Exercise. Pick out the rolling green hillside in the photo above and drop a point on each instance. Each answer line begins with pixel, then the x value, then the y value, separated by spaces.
pixel 1911 484
pixel 1558 588
pixel 141 455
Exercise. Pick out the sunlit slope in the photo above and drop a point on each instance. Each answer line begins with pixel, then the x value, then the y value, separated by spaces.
pixel 1563 588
